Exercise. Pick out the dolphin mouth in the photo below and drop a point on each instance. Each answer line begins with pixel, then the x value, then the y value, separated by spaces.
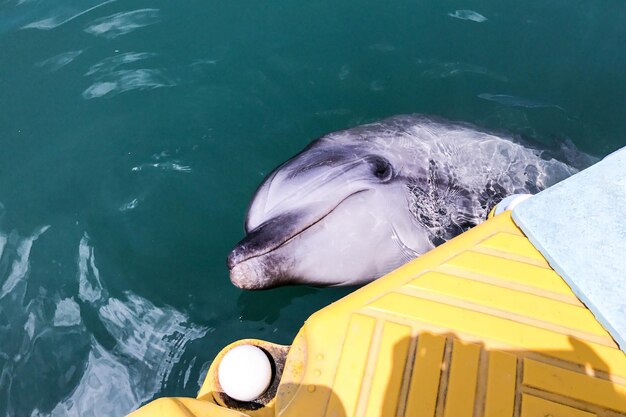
pixel 266 238
pixel 252 274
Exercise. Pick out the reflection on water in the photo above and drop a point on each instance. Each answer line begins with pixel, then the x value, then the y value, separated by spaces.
pixel 41 14
pixel 19 266
pixel 122 23
pixel 512 101
pixel 109 64
pixel 468 15
pixel 435 69
pixel 111 81
pixel 127 80
pixel 58 61
pixel 92 380
pixel 112 303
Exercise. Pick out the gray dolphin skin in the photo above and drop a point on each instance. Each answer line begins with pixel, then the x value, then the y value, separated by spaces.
pixel 358 203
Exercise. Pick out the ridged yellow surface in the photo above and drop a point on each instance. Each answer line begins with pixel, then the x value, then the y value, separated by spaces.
pixel 480 326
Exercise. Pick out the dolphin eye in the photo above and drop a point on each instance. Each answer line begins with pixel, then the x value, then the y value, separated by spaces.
pixel 381 168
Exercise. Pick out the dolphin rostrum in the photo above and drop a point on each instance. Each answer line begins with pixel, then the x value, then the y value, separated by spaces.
pixel 358 203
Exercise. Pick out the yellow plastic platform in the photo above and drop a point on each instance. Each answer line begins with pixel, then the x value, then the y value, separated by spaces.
pixel 480 326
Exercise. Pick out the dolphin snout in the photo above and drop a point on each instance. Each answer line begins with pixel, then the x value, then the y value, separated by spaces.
pixel 252 262
pixel 244 276
pixel 259 273
pixel 264 238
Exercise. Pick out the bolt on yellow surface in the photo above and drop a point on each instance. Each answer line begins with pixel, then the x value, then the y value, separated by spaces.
pixel 480 326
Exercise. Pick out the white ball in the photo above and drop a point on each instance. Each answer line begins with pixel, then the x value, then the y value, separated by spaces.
pixel 245 373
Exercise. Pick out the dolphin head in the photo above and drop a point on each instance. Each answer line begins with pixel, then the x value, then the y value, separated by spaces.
pixel 338 213
pixel 356 204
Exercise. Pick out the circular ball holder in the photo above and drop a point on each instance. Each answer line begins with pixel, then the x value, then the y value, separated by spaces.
pixel 217 385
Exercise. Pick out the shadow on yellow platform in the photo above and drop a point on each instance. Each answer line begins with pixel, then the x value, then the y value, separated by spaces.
pixel 480 326
pixel 441 375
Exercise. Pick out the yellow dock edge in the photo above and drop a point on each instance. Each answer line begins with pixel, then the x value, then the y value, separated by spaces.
pixel 480 326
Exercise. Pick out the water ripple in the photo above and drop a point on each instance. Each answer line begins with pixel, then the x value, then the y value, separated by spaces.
pixel 3 242
pixel 468 15
pixel 122 23
pixel 439 70
pixel 89 284
pixel 67 313
pixel 514 101
pixel 56 14
pixel 130 205
pixel 147 340
pixel 165 166
pixel 59 61
pixel 108 65
pixel 104 390
pixel 20 266
pixel 126 80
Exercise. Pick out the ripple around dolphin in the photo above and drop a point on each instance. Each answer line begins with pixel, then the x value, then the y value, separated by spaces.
pixel 122 23
pixel 147 340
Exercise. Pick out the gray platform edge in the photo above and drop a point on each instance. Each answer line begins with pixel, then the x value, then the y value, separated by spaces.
pixel 579 226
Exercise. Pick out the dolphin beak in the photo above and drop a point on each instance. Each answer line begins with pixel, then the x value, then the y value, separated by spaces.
pixel 250 275
pixel 250 261
pixel 265 238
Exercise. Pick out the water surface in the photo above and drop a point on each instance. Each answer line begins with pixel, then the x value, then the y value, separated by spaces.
pixel 133 134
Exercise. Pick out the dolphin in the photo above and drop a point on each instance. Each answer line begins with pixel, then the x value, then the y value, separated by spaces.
pixel 356 204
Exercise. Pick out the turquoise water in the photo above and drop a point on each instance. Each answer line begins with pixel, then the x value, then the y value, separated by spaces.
pixel 134 133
